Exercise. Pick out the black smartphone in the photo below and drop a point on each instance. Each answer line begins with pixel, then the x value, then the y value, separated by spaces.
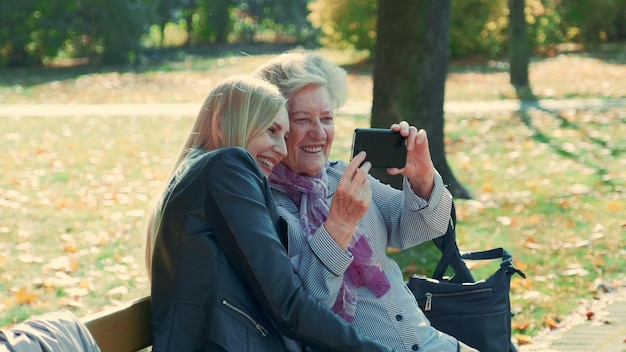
pixel 384 147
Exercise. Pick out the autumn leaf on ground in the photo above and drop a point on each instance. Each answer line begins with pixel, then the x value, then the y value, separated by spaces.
pixel 614 207
pixel 550 322
pixel 523 339
pixel 598 261
pixel 531 243
pixel 523 266
pixel 411 268
pixel 120 290
pixel 70 248
pixel 535 219
pixel 520 282
pixel 24 296
pixel 520 325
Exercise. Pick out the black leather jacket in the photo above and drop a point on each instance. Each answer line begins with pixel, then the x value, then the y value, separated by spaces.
pixel 221 277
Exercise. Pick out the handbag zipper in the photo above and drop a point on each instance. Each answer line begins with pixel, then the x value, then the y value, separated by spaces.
pixel 429 296
pixel 258 326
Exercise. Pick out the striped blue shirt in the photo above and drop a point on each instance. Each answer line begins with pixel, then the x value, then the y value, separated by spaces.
pixel 395 218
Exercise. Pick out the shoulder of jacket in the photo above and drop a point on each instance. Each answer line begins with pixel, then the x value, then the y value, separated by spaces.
pixel 222 155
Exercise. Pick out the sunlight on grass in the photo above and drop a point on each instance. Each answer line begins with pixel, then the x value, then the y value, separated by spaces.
pixel 75 201
pixel 76 193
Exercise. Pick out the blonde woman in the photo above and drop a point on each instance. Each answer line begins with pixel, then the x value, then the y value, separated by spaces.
pixel 221 277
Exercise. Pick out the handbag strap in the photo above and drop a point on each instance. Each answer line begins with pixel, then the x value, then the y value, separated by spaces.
pixel 451 256
pixel 507 259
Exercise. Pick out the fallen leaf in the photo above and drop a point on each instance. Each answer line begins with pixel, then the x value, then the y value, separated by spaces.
pixel 504 220
pixel 28 258
pixel 550 322
pixel 574 272
pixel 24 296
pixel 523 339
pixel 534 219
pixel 411 268
pixel 520 282
pixel 523 266
pixel 120 290
pixel 70 248
pixel 520 325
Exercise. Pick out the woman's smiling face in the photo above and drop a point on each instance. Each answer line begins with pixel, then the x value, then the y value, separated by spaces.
pixel 268 147
pixel 312 130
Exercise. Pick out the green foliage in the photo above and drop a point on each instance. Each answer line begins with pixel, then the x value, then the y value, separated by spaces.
pixel 31 30
pixel 271 21
pixel 479 27
pixel 105 30
pixel 346 23
pixel 597 21
pixel 210 21
pixel 109 30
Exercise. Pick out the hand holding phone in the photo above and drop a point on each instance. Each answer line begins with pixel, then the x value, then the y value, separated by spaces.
pixel 385 148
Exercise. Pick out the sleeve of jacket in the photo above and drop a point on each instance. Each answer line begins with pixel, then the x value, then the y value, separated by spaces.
pixel 241 214
pixel 409 219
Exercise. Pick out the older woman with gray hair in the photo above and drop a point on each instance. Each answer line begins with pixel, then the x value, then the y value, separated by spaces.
pixel 341 219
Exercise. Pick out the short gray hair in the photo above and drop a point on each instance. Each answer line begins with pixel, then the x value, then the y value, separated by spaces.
pixel 291 72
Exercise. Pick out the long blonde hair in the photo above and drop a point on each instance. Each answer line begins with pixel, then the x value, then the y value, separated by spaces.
pixel 236 110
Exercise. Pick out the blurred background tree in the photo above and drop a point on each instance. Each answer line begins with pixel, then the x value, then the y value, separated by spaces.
pixel 35 32
pixel 38 31
pixel 410 70
pixel 479 27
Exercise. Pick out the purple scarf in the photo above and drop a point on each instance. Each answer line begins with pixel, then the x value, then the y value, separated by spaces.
pixel 311 193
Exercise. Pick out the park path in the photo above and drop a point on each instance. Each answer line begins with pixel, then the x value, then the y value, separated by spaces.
pixel 189 109
pixel 605 331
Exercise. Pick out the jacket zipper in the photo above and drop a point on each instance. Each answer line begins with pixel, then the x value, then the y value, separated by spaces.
pixel 258 326
pixel 429 296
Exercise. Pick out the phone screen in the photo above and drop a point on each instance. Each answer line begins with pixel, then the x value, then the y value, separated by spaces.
pixel 384 147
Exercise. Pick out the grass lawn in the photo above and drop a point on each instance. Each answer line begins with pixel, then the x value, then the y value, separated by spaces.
pixel 75 192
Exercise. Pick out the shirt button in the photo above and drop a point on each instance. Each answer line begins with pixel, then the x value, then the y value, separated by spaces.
pixel 398 317
pixel 415 347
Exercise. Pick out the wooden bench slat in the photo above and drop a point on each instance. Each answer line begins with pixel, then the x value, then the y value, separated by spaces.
pixel 125 328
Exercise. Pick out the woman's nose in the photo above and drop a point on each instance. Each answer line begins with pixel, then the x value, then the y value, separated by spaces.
pixel 281 148
pixel 316 130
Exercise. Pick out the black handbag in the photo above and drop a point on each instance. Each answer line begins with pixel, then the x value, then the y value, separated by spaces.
pixel 475 312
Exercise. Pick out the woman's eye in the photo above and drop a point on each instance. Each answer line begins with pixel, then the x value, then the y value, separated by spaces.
pixel 300 121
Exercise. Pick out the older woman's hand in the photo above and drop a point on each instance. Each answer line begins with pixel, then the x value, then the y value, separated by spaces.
pixel 350 201
pixel 419 167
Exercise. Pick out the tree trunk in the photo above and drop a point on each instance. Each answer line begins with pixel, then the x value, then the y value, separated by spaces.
pixel 410 69
pixel 219 20
pixel 163 10
pixel 519 50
